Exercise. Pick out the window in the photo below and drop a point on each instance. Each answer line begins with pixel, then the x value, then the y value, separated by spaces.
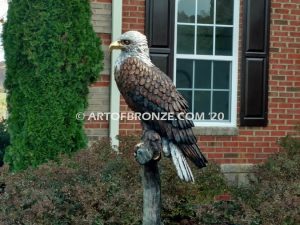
pixel 205 61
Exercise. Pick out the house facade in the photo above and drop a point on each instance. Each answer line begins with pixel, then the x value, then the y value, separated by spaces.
pixel 237 62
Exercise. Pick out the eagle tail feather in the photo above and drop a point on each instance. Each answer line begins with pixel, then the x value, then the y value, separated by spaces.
pixel 183 170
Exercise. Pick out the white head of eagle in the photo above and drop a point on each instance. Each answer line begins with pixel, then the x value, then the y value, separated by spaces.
pixel 146 89
pixel 132 44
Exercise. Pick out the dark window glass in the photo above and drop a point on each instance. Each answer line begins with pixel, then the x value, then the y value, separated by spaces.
pixel 203 74
pixel 202 103
pixel 223 41
pixel 205 11
pixel 224 14
pixel 222 71
pixel 185 39
pixel 204 40
pixel 186 11
pixel 221 103
pixel 184 73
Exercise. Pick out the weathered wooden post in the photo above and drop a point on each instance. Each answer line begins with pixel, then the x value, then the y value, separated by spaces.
pixel 148 154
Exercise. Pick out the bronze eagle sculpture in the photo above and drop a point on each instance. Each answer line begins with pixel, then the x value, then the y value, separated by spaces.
pixel 146 89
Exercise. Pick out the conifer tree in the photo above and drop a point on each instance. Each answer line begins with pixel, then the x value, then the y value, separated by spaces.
pixel 52 55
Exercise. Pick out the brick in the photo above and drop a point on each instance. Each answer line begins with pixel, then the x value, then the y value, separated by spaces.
pixel 282 11
pixel 262 144
pixel 129 8
pixel 255 138
pixel 279 55
pixel 271 139
pixel 246 132
pixel 231 155
pixel 137 14
pixel 255 161
pixel 280 1
pixel 230 144
pixel 274 49
pixel 294 56
pixel 279 66
pixel 242 161
pixel 295 11
pixel 254 150
pixel 222 161
pixel 280 22
pixel 261 156
pixel 286 61
pixel 246 144
pixel 293 89
pixel 289 6
pixel 289 28
pixel 285 116
pixel 129 20
pixel 278 133
pixel 289 17
pixel 287 39
pixel 283 128
pixel 294 23
pixel 238 150
pixel 215 155
pixel 238 138
pixel 137 26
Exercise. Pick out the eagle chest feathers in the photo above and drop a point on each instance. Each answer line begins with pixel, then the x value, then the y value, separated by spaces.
pixel 145 88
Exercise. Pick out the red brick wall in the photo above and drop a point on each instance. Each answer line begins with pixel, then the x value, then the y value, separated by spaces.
pixel 251 145
pixel 133 15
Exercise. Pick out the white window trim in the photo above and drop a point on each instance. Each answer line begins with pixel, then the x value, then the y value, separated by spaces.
pixel 233 59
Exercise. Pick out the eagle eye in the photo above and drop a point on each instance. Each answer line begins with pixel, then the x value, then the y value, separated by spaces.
pixel 125 42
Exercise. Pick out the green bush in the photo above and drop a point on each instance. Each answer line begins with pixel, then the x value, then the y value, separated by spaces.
pixel 52 55
pixel 99 186
pixel 4 139
pixel 273 195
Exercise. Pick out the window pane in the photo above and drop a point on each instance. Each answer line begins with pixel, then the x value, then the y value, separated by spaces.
pixel 202 103
pixel 188 96
pixel 222 71
pixel 224 14
pixel 204 40
pixel 184 73
pixel 205 11
pixel 203 74
pixel 186 11
pixel 185 39
pixel 221 103
pixel 223 41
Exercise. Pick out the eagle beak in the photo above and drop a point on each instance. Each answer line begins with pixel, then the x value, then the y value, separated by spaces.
pixel 115 45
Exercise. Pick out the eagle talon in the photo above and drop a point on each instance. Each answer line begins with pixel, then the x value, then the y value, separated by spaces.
pixel 157 156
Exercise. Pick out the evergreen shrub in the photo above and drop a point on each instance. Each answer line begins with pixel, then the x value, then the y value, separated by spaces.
pixel 99 186
pixel 52 55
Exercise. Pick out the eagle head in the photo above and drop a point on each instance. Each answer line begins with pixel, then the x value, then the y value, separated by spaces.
pixel 132 44
pixel 130 41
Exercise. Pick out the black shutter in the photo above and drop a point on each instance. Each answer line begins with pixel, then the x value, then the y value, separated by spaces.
pixel 254 78
pixel 160 21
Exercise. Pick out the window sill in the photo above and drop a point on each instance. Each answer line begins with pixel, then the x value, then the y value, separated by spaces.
pixel 219 131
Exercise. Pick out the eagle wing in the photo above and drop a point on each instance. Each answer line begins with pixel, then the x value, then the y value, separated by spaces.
pixel 147 89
